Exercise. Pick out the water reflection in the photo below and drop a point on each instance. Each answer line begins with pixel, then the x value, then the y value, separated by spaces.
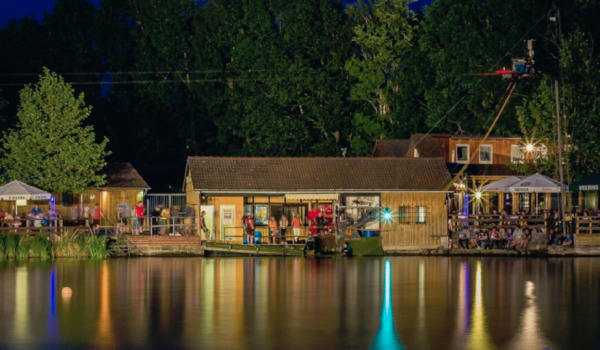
pixel 479 338
pixel 274 303
pixel 386 337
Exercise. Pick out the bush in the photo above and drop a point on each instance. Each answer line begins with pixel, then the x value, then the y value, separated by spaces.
pixel 68 245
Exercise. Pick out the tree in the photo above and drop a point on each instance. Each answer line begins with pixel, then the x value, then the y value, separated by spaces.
pixel 50 148
pixel 383 35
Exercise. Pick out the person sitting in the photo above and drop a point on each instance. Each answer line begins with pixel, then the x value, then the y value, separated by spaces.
pixel 568 240
pixel 517 236
pixel 347 250
pixel 463 239
pixel 558 239
pixel 483 239
pixel 508 241
pixel 525 239
pixel 494 238
pixel 473 236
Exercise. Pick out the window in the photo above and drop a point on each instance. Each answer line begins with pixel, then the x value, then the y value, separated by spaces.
pixel 485 154
pixel 462 153
pixel 517 154
pixel 421 214
pixel 404 215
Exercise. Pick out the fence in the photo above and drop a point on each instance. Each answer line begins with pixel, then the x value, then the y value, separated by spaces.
pixel 166 199
pixel 289 235
pixel 36 226
pixel 487 222
pixel 586 224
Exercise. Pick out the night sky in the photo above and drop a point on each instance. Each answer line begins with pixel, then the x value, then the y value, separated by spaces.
pixel 22 8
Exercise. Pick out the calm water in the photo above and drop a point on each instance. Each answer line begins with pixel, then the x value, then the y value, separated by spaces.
pixel 294 303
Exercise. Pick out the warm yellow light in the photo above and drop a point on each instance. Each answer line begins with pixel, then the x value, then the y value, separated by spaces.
pixel 529 147
pixel 478 195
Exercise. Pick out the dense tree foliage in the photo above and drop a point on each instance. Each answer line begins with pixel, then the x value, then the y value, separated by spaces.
pixel 169 79
pixel 50 148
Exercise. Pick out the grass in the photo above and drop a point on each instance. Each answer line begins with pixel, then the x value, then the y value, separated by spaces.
pixel 68 245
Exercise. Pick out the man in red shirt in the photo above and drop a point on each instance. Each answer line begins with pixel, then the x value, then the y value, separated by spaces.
pixel 140 211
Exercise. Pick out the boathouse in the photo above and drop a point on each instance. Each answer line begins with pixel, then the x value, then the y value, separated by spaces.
pixel 410 188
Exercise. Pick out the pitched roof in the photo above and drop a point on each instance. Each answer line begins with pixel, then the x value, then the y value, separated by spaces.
pixel 390 148
pixel 123 175
pixel 426 146
pixel 317 174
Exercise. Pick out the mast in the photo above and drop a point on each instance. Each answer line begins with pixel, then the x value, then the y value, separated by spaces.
pixel 560 159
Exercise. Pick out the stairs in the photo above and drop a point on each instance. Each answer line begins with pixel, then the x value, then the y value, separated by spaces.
pixel 166 245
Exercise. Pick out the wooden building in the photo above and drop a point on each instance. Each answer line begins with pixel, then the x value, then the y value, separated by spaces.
pixel 411 189
pixel 491 161
pixel 123 185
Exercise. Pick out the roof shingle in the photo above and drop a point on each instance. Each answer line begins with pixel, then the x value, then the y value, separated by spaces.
pixel 390 148
pixel 122 175
pixel 317 174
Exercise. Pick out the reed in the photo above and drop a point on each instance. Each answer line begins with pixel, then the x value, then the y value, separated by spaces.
pixel 68 245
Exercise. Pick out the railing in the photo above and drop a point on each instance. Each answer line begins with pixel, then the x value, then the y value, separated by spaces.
pixel 32 226
pixel 183 225
pixel 586 224
pixel 284 235
pixel 487 222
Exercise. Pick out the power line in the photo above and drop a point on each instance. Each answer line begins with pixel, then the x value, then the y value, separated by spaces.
pixel 158 72
pixel 478 82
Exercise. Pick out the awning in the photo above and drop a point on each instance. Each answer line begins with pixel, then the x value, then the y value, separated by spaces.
pixel 312 196
pixel 17 190
pixel 501 185
pixel 591 183
pixel 536 184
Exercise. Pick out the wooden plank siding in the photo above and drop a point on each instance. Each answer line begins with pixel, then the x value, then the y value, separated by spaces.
pixel 238 201
pixel 500 149
pixel 426 234
pixel 192 199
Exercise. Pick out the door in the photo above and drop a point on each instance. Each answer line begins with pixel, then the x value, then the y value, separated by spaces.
pixel 227 224
pixel 209 219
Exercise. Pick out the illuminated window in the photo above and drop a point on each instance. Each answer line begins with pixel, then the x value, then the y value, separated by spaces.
pixel 485 154
pixel 517 154
pixel 421 214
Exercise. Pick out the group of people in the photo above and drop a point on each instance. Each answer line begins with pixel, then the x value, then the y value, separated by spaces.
pixel 169 220
pixel 319 223
pixel 509 238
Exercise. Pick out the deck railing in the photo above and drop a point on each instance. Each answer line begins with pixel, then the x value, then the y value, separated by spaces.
pixel 586 224
pixel 487 222
pixel 284 235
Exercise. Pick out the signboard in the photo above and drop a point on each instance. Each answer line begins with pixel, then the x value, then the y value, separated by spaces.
pixel 227 216
pixel 588 187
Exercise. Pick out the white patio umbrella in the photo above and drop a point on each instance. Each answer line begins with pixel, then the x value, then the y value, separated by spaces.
pixel 501 185
pixel 537 183
pixel 17 190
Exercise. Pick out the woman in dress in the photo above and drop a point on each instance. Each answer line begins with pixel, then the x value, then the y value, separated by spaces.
pixel 296 223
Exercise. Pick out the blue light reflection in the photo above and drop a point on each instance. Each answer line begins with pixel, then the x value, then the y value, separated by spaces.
pixel 386 337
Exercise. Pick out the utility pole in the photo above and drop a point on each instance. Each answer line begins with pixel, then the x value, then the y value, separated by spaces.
pixel 560 159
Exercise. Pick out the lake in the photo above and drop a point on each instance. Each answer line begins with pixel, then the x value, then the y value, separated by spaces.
pixel 297 303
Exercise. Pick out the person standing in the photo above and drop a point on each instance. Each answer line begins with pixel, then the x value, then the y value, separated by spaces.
pixel 155 215
pixel 283 224
pixel 249 222
pixel 140 211
pixel 96 213
pixel 296 224
pixel 85 213
pixel 272 230
pixel 320 220
pixel 165 216
pixel 202 225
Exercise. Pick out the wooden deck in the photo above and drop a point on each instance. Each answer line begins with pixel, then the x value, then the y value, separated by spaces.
pixel 214 248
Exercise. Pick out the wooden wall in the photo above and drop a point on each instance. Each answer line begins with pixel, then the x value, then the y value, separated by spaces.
pixel 192 199
pixel 500 148
pixel 415 234
pixel 239 209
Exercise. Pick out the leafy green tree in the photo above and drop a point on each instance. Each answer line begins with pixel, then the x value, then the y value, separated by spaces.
pixel 383 36
pixel 50 148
